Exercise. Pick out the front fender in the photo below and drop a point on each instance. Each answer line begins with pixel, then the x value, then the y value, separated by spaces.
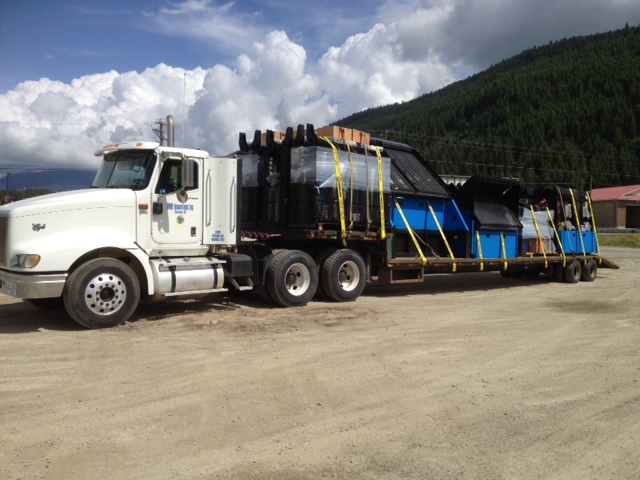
pixel 59 250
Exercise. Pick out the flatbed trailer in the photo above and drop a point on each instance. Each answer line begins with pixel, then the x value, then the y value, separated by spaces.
pixel 429 227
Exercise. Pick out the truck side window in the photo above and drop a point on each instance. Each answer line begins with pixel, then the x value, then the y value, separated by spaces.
pixel 171 177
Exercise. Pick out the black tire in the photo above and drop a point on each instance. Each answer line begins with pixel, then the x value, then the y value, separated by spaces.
pixel 264 294
pixel 573 272
pixel 101 293
pixel 510 274
pixel 262 288
pixel 590 272
pixel 320 259
pixel 292 278
pixel 55 303
pixel 343 275
pixel 558 272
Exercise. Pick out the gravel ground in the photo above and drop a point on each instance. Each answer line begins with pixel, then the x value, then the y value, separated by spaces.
pixel 467 376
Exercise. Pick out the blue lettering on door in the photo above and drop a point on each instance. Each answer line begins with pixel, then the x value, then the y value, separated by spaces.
pixel 217 236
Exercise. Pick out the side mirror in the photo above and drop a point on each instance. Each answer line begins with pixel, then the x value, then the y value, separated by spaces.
pixel 188 173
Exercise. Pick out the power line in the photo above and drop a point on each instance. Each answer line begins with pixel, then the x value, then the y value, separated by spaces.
pixel 496 147
pixel 501 146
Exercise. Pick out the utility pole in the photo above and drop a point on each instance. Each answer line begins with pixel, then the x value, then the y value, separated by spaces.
pixel 159 131
pixel 5 199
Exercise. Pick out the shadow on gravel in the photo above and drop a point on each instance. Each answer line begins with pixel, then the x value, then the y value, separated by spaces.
pixel 24 318
pixel 21 317
pixel 455 282
pixel 163 310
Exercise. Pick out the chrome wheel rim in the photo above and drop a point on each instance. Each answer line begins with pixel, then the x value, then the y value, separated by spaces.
pixel 349 276
pixel 105 294
pixel 297 279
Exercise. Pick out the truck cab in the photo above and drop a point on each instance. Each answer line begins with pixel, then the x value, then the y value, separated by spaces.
pixel 157 222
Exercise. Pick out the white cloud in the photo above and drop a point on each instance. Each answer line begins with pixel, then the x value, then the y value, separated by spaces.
pixel 372 69
pixel 272 84
pixel 472 35
pixel 271 87
pixel 204 20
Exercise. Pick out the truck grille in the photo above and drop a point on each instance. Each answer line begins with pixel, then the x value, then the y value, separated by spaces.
pixel 4 222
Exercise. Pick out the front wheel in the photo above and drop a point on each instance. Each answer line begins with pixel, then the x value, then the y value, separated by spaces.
pixel 101 293
pixel 343 275
pixel 292 278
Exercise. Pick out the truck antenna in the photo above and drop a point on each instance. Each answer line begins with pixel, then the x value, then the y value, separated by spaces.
pixel 184 95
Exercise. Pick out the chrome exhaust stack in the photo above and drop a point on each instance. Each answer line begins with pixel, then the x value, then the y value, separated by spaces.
pixel 170 131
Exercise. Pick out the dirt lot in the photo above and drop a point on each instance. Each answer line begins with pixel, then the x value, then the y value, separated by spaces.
pixel 470 376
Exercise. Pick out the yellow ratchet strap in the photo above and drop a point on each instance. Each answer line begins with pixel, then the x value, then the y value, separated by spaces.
pixel 413 236
pixel 351 177
pixel 455 265
pixel 336 161
pixel 383 231
pixel 367 189
pixel 564 255
pixel 504 250
pixel 535 222
pixel 480 250
pixel 579 227
pixel 595 230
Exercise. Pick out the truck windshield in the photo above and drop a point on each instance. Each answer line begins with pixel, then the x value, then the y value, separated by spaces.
pixel 126 169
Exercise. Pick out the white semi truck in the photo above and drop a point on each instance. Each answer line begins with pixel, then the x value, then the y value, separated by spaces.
pixel 292 217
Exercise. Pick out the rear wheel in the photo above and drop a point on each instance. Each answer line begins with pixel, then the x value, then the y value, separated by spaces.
pixel 320 259
pixel 101 293
pixel 573 272
pixel 343 275
pixel 261 288
pixel 590 272
pixel 292 278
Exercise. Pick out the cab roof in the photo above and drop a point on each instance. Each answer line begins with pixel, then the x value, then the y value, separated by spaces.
pixel 189 152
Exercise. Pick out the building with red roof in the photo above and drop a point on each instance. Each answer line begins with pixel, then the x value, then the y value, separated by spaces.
pixel 616 207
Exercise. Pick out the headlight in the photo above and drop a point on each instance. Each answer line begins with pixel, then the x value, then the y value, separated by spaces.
pixel 25 261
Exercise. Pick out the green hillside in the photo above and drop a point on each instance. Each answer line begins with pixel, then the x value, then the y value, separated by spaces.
pixel 567 113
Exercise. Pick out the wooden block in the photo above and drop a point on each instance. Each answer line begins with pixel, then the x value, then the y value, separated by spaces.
pixel 361 137
pixel 333 131
pixel 276 136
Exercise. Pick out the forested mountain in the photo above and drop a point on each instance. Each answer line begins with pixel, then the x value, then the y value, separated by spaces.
pixel 567 113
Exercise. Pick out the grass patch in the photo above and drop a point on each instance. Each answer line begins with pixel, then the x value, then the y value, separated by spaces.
pixel 630 240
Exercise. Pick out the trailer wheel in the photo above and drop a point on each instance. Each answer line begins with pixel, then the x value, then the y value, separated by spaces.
pixel 101 293
pixel 558 272
pixel 292 278
pixel 573 272
pixel 590 272
pixel 343 275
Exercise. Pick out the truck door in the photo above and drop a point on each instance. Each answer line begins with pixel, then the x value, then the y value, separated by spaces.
pixel 221 203
pixel 177 218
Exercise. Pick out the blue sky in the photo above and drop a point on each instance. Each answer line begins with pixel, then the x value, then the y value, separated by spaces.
pixel 66 39
pixel 78 74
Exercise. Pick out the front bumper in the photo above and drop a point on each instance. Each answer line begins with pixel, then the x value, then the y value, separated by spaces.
pixel 21 285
